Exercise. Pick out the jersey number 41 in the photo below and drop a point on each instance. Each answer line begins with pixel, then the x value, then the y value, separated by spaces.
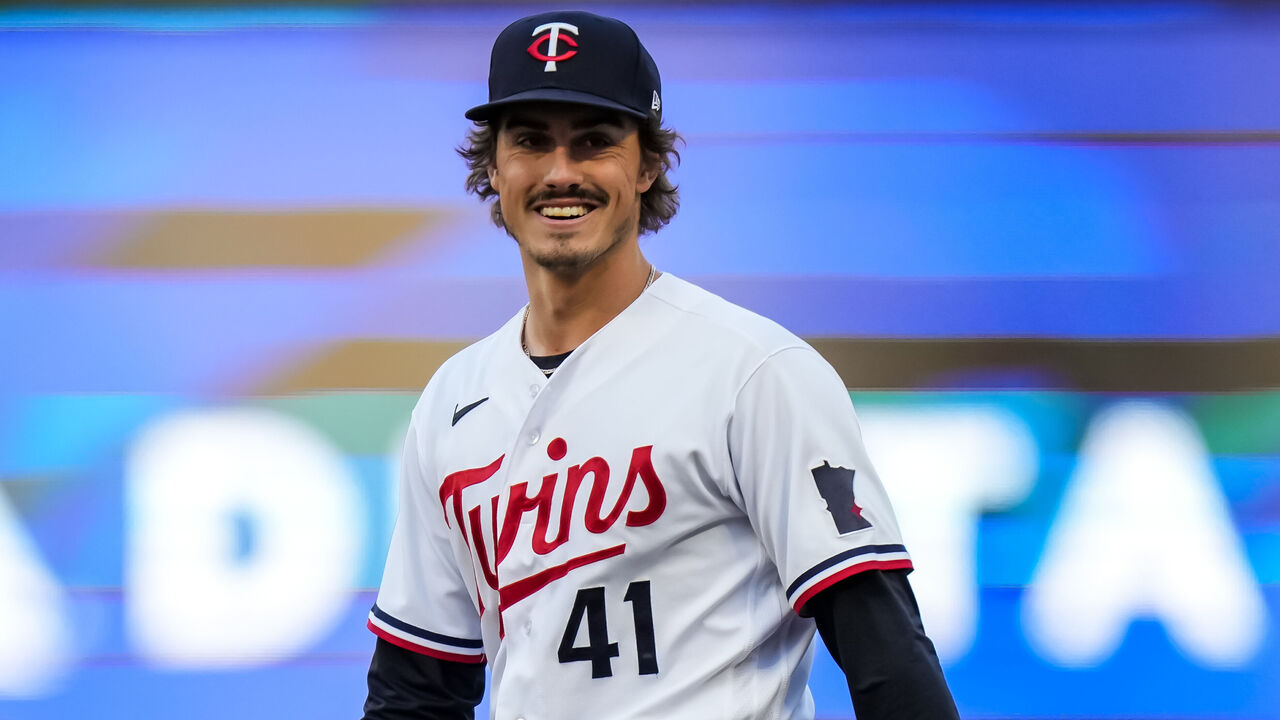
pixel 589 605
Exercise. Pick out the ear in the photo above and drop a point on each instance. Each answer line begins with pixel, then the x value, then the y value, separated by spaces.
pixel 648 175
pixel 493 175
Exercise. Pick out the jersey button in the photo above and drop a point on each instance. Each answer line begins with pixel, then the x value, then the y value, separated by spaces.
pixel 533 437
pixel 533 390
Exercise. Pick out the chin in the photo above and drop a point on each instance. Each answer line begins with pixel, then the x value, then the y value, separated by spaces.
pixel 561 250
pixel 564 261
pixel 568 250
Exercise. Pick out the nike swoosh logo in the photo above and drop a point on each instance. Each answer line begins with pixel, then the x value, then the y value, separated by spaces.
pixel 459 412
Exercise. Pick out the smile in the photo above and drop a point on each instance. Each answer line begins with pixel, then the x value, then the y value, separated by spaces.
pixel 565 210
pixel 569 212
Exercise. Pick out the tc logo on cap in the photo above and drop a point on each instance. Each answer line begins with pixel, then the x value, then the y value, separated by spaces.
pixel 552 38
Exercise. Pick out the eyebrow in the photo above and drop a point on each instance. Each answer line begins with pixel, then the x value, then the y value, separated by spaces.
pixel 588 121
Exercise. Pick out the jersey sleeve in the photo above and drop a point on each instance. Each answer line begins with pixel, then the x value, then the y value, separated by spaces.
pixel 806 483
pixel 423 604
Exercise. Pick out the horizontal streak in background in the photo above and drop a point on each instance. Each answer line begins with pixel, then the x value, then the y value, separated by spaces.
pixel 332 238
pixel 365 365
pixel 1099 137
pixel 883 364
pixel 1227 366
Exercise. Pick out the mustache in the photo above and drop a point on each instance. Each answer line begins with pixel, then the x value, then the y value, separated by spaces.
pixel 588 194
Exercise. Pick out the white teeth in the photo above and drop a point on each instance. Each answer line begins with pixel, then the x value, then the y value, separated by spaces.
pixel 564 212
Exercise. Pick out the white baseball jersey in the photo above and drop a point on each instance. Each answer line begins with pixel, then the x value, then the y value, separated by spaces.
pixel 633 537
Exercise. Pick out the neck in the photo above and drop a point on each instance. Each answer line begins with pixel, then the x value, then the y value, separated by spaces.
pixel 566 308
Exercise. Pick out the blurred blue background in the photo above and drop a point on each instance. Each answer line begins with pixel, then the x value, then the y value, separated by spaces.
pixel 1039 241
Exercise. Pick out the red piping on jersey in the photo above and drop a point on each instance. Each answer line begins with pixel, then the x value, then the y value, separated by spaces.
pixel 521 589
pixel 849 572
pixel 423 649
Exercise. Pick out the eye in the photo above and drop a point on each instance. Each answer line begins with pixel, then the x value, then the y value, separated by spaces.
pixel 597 141
pixel 527 140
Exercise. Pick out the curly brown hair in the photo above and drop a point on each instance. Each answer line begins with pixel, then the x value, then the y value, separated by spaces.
pixel 658 204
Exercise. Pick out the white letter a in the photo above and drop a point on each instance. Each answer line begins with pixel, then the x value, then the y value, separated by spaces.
pixel 1143 531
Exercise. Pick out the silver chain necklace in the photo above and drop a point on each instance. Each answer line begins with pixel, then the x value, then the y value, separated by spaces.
pixel 524 321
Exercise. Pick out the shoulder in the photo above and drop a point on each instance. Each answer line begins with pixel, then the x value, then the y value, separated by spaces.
pixel 715 324
pixel 749 351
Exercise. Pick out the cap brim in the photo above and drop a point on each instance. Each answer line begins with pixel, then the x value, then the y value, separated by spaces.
pixel 557 95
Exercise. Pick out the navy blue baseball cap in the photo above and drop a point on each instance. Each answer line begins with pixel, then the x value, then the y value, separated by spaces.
pixel 572 57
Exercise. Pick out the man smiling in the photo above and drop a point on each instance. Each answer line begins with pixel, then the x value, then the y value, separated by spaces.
pixel 569 180
pixel 646 499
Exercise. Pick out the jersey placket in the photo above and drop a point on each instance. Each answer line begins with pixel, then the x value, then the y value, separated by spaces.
pixel 532 458
pixel 526 462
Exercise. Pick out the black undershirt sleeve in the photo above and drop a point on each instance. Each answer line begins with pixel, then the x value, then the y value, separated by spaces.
pixel 405 685
pixel 871 625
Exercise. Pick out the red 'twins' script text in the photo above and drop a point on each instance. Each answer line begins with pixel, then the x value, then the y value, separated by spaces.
pixel 519 501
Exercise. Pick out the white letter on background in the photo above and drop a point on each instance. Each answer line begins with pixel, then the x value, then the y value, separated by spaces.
pixel 34 637
pixel 1143 531
pixel 942 468
pixel 199 595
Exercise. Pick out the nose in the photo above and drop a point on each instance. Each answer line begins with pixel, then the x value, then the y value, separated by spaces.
pixel 562 170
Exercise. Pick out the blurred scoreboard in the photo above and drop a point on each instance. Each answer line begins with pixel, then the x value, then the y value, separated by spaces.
pixel 1039 243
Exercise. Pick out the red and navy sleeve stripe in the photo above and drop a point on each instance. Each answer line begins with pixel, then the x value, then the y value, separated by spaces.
pixel 411 637
pixel 838 567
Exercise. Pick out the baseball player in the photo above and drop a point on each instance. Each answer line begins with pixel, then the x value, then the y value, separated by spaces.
pixel 635 499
